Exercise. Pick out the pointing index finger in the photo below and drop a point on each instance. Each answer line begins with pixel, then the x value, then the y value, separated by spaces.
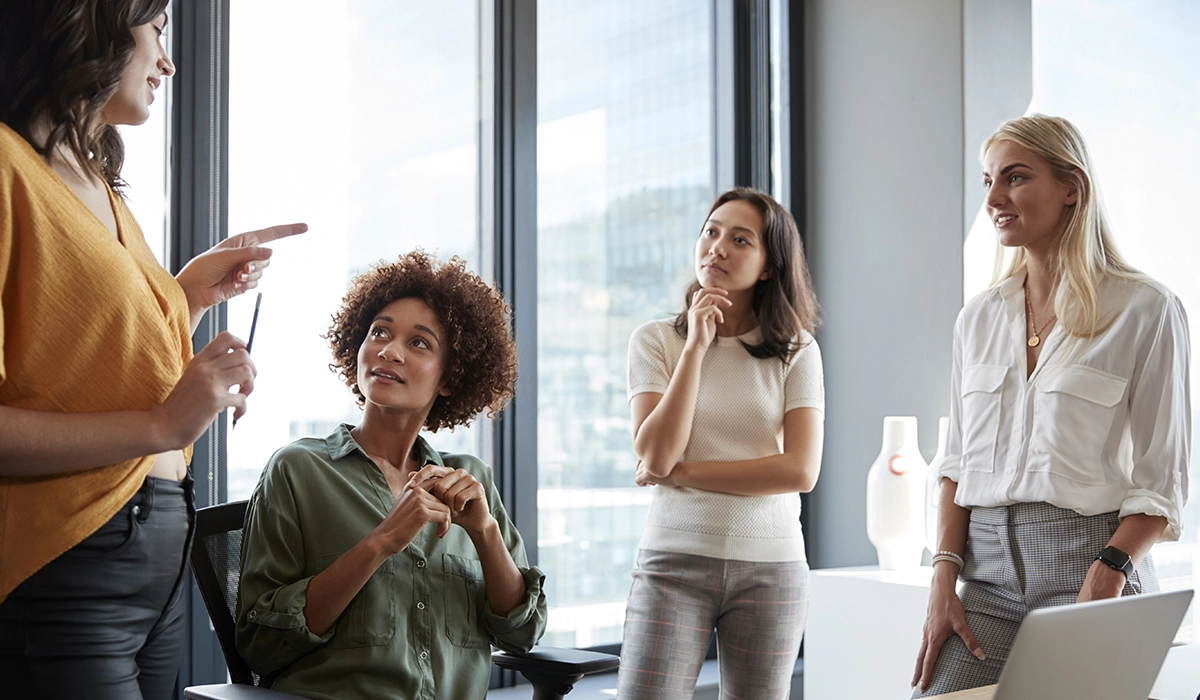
pixel 272 233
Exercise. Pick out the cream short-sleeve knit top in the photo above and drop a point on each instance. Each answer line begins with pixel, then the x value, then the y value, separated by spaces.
pixel 739 416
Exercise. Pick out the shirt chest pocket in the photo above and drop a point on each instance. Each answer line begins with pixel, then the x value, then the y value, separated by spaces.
pixel 981 396
pixel 1074 409
pixel 464 601
pixel 370 619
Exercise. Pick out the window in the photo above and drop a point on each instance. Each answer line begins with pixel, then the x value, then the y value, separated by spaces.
pixel 1126 76
pixel 363 120
pixel 625 144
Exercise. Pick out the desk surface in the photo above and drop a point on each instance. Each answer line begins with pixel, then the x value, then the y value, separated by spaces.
pixel 1179 679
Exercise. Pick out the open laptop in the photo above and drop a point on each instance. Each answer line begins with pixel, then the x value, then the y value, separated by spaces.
pixel 1104 650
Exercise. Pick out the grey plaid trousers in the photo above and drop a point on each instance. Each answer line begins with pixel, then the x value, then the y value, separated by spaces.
pixel 758 610
pixel 1020 558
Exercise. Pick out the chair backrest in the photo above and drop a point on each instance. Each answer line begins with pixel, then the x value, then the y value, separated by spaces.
pixel 217 566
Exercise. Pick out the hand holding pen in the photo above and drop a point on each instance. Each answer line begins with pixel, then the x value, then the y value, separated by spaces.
pixel 220 376
pixel 250 340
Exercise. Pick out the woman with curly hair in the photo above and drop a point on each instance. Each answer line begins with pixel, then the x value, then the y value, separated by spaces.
pixel 345 592
pixel 100 395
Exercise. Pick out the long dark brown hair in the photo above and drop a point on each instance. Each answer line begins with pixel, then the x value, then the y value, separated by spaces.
pixel 60 62
pixel 785 302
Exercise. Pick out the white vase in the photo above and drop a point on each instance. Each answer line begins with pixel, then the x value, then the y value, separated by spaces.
pixel 896 496
pixel 933 487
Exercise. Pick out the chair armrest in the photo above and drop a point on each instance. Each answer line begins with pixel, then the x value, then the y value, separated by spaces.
pixel 231 691
pixel 556 661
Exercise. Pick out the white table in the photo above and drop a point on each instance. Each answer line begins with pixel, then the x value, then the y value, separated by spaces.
pixel 864 632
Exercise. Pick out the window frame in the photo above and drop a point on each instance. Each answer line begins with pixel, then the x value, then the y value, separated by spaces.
pixel 198 194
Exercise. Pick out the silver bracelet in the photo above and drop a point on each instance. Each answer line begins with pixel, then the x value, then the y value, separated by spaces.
pixel 946 558
pixel 946 555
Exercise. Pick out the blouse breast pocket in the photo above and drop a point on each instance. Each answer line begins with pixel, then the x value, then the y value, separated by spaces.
pixel 981 394
pixel 370 619
pixel 1074 410
pixel 463 580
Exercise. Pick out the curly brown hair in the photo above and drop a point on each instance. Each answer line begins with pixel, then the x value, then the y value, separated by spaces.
pixel 481 359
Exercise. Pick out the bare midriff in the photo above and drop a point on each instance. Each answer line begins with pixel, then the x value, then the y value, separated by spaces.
pixel 169 465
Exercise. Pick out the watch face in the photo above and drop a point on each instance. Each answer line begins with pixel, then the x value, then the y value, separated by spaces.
pixel 1116 559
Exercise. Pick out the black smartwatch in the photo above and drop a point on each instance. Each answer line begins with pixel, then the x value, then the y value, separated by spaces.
pixel 1118 560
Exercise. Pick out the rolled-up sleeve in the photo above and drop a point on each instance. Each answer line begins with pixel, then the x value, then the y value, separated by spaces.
pixel 524 625
pixel 1160 422
pixel 951 464
pixel 271 631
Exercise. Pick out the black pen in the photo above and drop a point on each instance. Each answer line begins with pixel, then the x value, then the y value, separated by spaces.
pixel 250 340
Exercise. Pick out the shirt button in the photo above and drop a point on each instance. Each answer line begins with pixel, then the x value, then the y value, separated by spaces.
pixel 1010 470
pixel 420 606
pixel 424 655
pixel 421 564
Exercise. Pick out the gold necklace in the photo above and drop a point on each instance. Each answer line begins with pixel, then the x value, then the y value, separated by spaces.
pixel 1034 339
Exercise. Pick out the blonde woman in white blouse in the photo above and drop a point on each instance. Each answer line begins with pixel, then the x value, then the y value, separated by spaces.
pixel 1069 417
pixel 727 401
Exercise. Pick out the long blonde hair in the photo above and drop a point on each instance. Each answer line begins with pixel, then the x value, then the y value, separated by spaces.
pixel 1086 254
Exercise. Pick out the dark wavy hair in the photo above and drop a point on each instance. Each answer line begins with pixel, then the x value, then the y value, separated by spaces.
pixel 785 302
pixel 60 62
pixel 481 359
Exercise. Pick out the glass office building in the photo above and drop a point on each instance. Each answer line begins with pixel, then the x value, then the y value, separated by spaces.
pixel 624 182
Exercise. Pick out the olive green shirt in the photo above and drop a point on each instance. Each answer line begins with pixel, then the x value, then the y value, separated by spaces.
pixel 420 627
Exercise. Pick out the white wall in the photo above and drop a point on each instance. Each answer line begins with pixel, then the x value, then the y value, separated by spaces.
pixel 887 214
pixel 997 80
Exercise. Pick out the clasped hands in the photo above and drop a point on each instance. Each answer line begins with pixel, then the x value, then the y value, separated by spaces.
pixel 436 494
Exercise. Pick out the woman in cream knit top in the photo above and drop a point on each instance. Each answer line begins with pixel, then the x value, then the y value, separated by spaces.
pixel 727 404
pixel 739 415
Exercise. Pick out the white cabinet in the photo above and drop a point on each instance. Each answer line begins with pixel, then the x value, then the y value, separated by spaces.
pixel 864 632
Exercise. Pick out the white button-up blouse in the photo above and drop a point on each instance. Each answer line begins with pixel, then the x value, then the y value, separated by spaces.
pixel 1102 424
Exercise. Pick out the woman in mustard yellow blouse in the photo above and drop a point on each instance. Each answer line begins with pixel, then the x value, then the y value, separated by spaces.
pixel 100 396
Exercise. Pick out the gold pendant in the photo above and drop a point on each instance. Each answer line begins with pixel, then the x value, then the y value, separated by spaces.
pixel 1033 341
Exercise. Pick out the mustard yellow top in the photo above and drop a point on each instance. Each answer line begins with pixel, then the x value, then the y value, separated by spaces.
pixel 88 323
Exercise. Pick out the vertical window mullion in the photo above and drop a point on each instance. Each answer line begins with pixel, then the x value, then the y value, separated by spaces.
pixel 515 216
pixel 199 119
pixel 741 94
pixel 752 90
pixel 513 208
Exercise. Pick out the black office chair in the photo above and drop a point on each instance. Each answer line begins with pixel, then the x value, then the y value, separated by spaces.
pixel 217 565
